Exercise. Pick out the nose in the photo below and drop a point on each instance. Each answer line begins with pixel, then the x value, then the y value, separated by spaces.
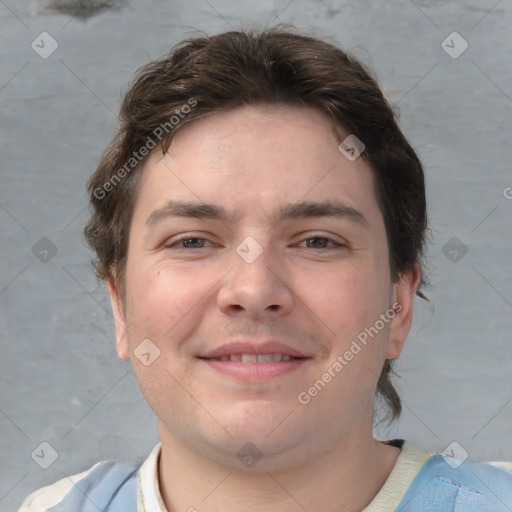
pixel 257 289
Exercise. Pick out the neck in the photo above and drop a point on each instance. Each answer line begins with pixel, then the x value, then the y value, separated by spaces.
pixel 344 478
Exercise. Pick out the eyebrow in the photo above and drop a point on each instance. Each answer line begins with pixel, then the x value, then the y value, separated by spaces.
pixel 291 211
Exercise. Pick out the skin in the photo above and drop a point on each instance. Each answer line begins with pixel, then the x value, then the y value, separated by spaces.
pixel 319 456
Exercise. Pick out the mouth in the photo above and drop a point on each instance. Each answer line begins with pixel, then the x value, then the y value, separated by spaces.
pixel 255 367
pixel 254 358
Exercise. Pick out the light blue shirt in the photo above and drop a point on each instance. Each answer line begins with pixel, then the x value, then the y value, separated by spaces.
pixel 435 486
pixel 471 487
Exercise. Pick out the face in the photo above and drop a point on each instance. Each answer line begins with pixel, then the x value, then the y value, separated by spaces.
pixel 250 266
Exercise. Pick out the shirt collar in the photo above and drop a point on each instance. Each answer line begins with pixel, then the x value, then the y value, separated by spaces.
pixel 148 493
pixel 407 466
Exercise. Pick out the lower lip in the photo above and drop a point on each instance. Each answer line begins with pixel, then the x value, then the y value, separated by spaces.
pixel 255 371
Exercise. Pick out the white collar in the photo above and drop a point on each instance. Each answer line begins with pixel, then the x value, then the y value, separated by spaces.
pixel 407 466
pixel 148 492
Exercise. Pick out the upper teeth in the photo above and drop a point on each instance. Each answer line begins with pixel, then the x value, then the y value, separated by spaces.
pixel 255 358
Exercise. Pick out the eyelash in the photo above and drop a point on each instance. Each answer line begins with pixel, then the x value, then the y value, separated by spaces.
pixel 336 245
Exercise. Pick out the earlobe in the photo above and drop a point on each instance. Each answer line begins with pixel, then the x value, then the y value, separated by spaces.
pixel 119 321
pixel 403 298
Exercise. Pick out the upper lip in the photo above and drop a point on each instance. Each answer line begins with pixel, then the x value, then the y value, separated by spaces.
pixel 252 347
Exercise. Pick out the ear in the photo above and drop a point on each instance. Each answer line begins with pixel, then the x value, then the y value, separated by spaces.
pixel 119 320
pixel 403 296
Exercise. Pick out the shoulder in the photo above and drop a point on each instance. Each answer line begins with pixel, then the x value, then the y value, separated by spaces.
pixel 107 486
pixel 451 484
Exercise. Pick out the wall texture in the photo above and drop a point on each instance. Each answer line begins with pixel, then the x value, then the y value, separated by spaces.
pixel 60 82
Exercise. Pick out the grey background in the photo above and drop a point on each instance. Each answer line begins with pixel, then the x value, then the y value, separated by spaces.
pixel 61 381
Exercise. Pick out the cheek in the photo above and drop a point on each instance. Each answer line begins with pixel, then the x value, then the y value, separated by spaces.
pixel 345 295
pixel 349 301
pixel 168 301
pixel 159 299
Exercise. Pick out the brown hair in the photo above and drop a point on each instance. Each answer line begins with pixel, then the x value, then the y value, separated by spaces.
pixel 205 75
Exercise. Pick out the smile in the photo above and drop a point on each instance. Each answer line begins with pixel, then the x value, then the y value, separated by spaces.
pixel 255 367
pixel 255 358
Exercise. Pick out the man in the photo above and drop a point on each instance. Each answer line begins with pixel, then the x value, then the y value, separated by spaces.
pixel 260 219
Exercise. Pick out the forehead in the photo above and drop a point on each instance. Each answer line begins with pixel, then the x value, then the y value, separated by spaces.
pixel 257 157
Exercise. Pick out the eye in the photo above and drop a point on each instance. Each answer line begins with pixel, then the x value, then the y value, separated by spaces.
pixel 320 242
pixel 187 242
